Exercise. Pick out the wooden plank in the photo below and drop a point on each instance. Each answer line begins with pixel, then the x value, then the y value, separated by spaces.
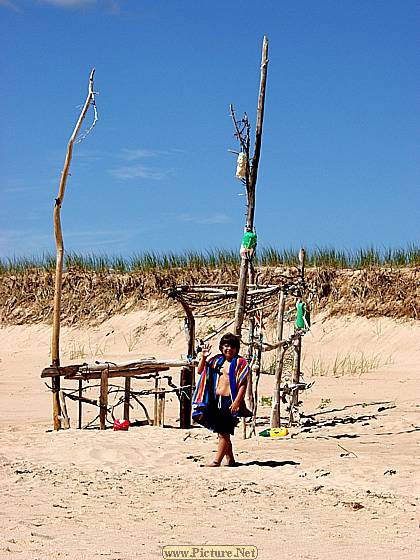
pixel 97 375
pixel 57 371
pixel 144 365
pixel 141 363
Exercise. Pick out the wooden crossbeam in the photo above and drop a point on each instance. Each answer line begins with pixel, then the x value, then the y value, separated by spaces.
pixel 116 373
pixel 124 369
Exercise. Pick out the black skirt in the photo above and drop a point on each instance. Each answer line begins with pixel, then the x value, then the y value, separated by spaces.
pixel 219 418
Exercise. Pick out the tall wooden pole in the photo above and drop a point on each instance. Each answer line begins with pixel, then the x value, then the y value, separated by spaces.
pixel 251 184
pixel 55 339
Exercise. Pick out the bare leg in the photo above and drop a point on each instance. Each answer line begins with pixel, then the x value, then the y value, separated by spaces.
pixel 230 459
pixel 224 448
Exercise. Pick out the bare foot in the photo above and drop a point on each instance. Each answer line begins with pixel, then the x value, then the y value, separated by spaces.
pixel 212 464
pixel 232 464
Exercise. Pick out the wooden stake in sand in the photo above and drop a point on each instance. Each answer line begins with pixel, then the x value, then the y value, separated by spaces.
pixel 187 373
pixel 103 399
pixel 55 340
pixel 275 410
pixel 127 390
pixel 65 420
pixel 294 405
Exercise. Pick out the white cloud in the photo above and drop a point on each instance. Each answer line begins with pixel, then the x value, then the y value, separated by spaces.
pixel 10 5
pixel 138 171
pixel 217 218
pixel 90 155
pixel 92 239
pixel 140 153
pixel 131 154
pixel 69 3
pixel 12 190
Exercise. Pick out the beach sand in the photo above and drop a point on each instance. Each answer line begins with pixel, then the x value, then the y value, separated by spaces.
pixel 342 485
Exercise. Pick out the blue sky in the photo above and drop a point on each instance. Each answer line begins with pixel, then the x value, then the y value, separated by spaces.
pixel 338 165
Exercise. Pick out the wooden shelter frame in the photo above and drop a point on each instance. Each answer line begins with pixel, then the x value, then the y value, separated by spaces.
pixel 218 300
pixel 199 301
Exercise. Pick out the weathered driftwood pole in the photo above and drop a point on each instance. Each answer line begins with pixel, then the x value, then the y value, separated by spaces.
pixel 80 405
pixel 103 399
pixel 161 409
pixel 275 410
pixel 256 373
pixel 155 402
pixel 296 368
pixel 65 420
pixel 127 390
pixel 187 373
pixel 252 172
pixel 55 340
pixel 298 343
pixel 251 353
pixel 302 255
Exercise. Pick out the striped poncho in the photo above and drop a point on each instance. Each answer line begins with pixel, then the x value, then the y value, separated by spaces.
pixel 205 391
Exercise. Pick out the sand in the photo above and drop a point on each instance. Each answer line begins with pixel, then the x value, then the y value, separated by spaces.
pixel 343 485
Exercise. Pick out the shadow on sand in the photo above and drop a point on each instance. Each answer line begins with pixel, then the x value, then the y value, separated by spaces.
pixel 271 464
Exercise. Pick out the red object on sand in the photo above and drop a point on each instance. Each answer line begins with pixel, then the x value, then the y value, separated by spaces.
pixel 121 425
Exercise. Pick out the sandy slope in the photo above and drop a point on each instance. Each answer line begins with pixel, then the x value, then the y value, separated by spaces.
pixel 113 495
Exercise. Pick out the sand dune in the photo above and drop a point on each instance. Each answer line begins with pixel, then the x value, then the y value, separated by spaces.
pixel 343 484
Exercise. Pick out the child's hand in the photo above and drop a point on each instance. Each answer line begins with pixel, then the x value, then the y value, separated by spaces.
pixel 206 351
pixel 234 407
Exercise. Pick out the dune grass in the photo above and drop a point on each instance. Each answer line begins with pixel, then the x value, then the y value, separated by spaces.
pixel 356 364
pixel 219 258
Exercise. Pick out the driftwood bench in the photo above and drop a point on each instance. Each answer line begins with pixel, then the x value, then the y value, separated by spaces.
pixel 143 367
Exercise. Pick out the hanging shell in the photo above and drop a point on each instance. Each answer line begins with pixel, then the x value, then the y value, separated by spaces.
pixel 241 166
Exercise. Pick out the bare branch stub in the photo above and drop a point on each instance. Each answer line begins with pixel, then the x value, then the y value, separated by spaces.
pixel 242 134
pixel 95 110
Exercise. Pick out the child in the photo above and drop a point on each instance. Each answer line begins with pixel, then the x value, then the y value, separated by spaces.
pixel 219 395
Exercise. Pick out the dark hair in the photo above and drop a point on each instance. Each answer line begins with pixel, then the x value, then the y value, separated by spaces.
pixel 230 339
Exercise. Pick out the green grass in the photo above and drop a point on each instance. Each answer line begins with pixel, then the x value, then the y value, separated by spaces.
pixel 355 364
pixel 219 258
pixel 266 401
